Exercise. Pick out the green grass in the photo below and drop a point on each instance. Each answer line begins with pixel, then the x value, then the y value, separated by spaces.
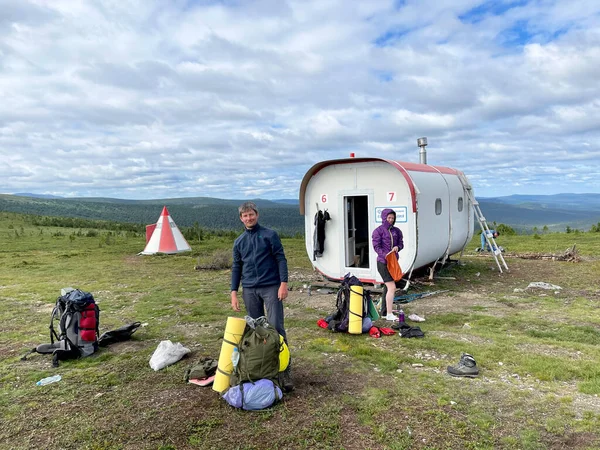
pixel 537 351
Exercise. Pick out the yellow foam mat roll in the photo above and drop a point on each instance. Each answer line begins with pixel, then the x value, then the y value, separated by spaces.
pixel 234 329
pixel 356 310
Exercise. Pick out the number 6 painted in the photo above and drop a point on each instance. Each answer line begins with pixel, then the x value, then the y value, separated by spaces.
pixel 324 198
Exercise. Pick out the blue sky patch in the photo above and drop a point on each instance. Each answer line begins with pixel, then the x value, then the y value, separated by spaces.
pixel 490 8
pixel 517 35
pixel 384 75
pixel 390 37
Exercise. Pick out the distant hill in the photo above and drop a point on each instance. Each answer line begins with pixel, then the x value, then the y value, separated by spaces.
pixel 522 212
pixel 288 201
pixel 579 211
pixel 581 202
pixel 209 213
pixel 25 194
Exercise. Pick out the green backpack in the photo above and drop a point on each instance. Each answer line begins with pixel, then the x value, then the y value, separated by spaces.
pixel 259 351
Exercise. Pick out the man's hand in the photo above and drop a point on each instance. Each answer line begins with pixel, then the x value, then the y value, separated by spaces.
pixel 283 292
pixel 235 304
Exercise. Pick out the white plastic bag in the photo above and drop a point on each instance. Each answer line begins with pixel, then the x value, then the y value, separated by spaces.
pixel 167 353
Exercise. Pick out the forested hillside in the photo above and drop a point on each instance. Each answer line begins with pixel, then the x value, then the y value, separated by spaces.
pixel 214 214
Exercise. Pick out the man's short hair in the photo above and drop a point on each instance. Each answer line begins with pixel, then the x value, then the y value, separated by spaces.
pixel 247 206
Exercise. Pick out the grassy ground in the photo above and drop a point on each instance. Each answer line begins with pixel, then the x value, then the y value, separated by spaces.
pixel 537 350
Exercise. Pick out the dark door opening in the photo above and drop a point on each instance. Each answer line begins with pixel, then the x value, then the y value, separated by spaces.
pixel 356 223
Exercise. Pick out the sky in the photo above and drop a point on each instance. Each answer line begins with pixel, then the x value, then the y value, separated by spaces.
pixel 238 99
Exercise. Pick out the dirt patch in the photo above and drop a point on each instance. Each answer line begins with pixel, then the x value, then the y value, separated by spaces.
pixel 323 302
pixel 460 337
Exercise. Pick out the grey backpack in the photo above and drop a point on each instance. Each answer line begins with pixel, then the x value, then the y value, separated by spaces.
pixel 78 319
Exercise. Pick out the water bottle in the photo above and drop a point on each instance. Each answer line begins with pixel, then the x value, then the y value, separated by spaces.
pixel 235 357
pixel 400 316
pixel 48 380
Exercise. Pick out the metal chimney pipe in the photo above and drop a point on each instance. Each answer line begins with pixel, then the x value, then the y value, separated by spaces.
pixel 422 142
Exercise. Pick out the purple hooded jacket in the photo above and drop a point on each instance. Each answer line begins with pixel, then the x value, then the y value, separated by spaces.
pixel 386 236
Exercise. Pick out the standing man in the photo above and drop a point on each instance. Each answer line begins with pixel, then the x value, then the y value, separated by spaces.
pixel 260 265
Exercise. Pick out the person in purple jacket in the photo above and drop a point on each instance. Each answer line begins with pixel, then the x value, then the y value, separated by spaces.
pixel 387 238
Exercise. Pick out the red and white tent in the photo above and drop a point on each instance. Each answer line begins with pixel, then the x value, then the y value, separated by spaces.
pixel 164 236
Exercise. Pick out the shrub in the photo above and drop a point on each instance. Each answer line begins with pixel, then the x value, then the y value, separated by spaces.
pixel 220 259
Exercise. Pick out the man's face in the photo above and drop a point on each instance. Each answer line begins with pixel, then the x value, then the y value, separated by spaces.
pixel 390 218
pixel 249 218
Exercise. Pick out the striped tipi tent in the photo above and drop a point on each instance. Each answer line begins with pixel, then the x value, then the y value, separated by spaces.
pixel 164 236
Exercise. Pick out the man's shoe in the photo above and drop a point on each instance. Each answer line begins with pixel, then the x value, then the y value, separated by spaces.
pixel 466 367
pixel 391 317
pixel 287 385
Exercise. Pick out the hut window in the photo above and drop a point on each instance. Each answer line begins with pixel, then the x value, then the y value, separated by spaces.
pixel 438 206
pixel 460 204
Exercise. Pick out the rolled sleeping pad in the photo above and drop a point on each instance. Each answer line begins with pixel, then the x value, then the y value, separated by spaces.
pixel 356 310
pixel 284 354
pixel 234 329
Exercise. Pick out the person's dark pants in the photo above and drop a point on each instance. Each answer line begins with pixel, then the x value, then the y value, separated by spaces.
pixel 259 299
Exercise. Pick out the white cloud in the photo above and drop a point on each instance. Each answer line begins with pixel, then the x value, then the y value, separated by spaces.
pixel 146 99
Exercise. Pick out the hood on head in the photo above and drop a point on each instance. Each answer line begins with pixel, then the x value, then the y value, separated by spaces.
pixel 385 213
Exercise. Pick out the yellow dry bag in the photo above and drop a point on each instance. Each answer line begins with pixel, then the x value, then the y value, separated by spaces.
pixel 284 354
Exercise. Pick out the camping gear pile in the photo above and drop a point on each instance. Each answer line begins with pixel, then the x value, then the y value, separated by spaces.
pixel 252 364
pixel 355 311
pixel 78 318
pixel 255 378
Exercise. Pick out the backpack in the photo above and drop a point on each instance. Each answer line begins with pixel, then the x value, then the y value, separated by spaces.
pixel 78 319
pixel 259 350
pixel 338 320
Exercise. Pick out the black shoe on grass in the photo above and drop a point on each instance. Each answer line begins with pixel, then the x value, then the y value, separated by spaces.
pixel 287 385
pixel 466 367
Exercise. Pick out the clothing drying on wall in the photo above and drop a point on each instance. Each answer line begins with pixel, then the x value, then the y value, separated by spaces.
pixel 319 236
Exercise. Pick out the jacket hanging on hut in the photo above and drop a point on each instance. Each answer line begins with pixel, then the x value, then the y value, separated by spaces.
pixel 319 234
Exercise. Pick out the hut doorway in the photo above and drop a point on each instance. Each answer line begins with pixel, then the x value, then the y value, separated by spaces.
pixel 356 230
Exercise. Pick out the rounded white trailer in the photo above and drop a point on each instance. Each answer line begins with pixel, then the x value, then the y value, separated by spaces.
pixel 431 203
